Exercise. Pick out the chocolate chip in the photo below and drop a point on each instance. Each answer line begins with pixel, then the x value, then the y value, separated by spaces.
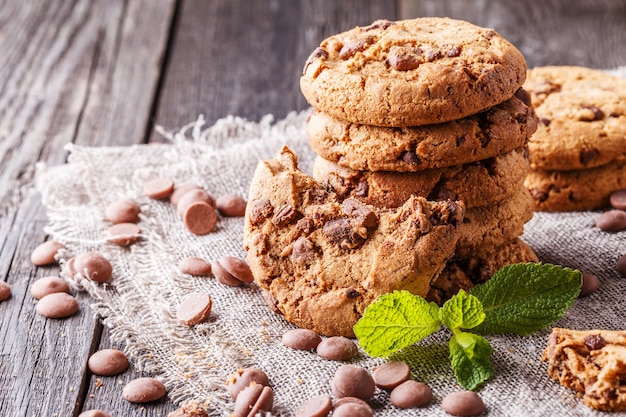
pixel 588 155
pixel 284 215
pixel 402 58
pixel 365 217
pixel 124 234
pixel 391 374
pixel 303 251
pixel 544 121
pixel 57 305
pixel 362 189
pixel 546 87
pixel 243 378
pixel 5 291
pixel 231 205
pixel 143 390
pixel 48 285
pixel 523 96
pixel 301 339
pixel 318 406
pixel 194 266
pixel 590 284
pixel 44 254
pixel 611 221
pixel 618 200
pixel 410 158
pixel 431 55
pixel 594 114
pixel 194 308
pixel 595 342
pixel 123 211
pixel 410 394
pixel 252 400
pixel 108 362
pixel 158 188
pixel 352 293
pixel 379 24
pixel 260 210
pixel 337 348
pixel 453 52
pixel 93 266
pixel 350 49
pixel 317 53
pixel 305 226
pixel 342 233
pixel 463 403
pixel 353 381
pixel 199 218
pixel 94 413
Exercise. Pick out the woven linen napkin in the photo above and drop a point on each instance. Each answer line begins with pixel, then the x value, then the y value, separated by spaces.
pixel 139 304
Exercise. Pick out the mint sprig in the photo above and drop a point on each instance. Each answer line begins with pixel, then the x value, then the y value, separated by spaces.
pixel 520 299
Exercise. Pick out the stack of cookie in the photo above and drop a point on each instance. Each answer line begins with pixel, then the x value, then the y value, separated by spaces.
pixel 578 154
pixel 431 107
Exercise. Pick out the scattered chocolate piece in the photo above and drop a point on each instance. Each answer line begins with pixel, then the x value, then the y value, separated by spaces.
pixel 181 190
pixel 143 390
pixel 108 362
pixel 232 271
pixel 590 284
pixel 243 378
pixel 391 374
pixel 618 200
pixel 410 394
pixel 93 266
pixel 194 266
pixel 194 308
pixel 197 195
pixel 57 305
pixel 231 205
pixel 353 381
pixel 463 404
pixel 158 188
pixel 254 399
pixel 5 291
pixel 124 234
pixel 318 406
pixel 48 285
pixel 611 221
pixel 301 339
pixel 123 211
pixel 337 348
pixel 44 254
pixel 200 218
pixel 353 410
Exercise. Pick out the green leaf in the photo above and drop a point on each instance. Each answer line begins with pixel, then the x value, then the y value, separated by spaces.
pixel 527 297
pixel 470 358
pixel 396 320
pixel 462 311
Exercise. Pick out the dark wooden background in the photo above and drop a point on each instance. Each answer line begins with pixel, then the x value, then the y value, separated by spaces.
pixel 105 72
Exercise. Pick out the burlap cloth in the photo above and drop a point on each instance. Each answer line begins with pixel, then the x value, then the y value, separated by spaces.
pixel 140 302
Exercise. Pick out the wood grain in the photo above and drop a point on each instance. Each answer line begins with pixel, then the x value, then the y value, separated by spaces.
pixel 103 72
pixel 73 71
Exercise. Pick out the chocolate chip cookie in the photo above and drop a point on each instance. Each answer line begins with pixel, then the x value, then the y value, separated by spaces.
pixel 591 362
pixel 582 115
pixel 576 190
pixel 485 228
pixel 324 260
pixel 464 273
pixel 497 130
pixel 412 72
pixel 477 184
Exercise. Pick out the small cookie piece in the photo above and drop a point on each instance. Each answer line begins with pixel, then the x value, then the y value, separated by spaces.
pixel 412 72
pixel 324 261
pixel 477 184
pixel 191 409
pixel 492 132
pixel 576 190
pixel 582 115
pixel 492 226
pixel 464 273
pixel 590 362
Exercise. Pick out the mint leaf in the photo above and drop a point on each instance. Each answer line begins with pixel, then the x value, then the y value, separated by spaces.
pixel 462 311
pixel 470 358
pixel 396 320
pixel 525 298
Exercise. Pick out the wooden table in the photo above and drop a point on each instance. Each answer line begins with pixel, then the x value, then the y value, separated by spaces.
pixel 105 72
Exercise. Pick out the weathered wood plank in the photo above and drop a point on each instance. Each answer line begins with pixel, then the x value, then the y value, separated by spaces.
pixel 553 32
pixel 72 71
pixel 246 58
